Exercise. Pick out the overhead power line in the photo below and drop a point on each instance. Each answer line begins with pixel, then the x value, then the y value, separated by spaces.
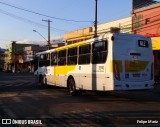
pixel 27 20
pixel 30 11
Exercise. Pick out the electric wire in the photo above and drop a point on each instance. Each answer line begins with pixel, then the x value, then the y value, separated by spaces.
pixel 30 11
pixel 87 21
pixel 141 21
pixel 28 21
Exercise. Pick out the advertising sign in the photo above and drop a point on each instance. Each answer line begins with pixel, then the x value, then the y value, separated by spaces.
pixel 155 43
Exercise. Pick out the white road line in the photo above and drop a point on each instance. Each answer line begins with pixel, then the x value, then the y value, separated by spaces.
pixel 17 99
pixel 8 112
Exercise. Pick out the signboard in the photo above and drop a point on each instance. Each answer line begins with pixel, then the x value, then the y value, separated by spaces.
pixel 155 43
pixel 143 43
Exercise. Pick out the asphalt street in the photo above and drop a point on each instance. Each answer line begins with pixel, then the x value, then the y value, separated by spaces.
pixel 22 99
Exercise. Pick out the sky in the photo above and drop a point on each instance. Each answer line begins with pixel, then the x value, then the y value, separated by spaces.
pixel 18 25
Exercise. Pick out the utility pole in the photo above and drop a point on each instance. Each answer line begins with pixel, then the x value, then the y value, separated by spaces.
pixel 95 22
pixel 14 50
pixel 49 43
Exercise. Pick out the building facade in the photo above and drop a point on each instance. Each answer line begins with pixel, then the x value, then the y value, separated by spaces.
pixel 8 59
pixel 146 21
pixel 124 25
pixel 2 58
pixel 78 35
pixel 14 57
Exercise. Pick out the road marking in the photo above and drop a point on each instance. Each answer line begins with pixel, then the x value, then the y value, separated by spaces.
pixel 79 118
pixel 8 112
pixel 8 94
pixel 17 99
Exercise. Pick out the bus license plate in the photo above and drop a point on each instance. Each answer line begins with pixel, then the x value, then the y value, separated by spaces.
pixel 136 75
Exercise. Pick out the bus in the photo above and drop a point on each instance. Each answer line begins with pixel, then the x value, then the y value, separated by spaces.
pixel 110 62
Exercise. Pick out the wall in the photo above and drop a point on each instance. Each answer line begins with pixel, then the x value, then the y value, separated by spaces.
pixel 124 25
pixel 146 21
pixel 77 35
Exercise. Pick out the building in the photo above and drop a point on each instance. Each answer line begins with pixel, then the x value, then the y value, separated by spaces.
pixel 8 59
pixel 78 35
pixel 136 4
pixel 14 57
pixel 146 21
pixel 2 58
pixel 124 26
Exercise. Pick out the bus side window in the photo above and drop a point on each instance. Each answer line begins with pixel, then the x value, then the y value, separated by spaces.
pixel 62 57
pixel 99 52
pixel 35 63
pixel 47 59
pixel 84 54
pixel 72 56
pixel 44 60
pixel 41 60
pixel 54 58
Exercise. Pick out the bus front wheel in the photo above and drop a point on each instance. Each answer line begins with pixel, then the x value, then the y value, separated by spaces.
pixel 71 87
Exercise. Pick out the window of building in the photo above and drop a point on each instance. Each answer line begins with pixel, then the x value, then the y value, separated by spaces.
pixel 62 57
pixel 54 58
pixel 137 22
pixel 84 54
pixel 72 56
pixel 147 21
pixel 99 52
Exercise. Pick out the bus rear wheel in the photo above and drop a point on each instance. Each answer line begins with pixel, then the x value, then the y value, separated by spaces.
pixel 71 87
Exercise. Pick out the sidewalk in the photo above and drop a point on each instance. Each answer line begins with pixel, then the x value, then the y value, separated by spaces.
pixel 17 73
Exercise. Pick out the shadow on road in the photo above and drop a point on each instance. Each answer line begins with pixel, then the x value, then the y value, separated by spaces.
pixel 24 82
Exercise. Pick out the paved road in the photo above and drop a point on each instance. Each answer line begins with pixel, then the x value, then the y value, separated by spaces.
pixel 22 99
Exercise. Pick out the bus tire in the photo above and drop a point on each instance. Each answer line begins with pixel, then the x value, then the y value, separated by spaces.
pixel 71 87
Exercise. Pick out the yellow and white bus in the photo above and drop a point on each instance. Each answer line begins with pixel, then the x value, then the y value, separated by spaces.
pixel 110 62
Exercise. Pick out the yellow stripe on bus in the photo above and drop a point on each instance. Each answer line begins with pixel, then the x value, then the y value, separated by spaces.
pixel 130 66
pixel 62 70
pixel 70 46
pixel 119 65
pixel 135 66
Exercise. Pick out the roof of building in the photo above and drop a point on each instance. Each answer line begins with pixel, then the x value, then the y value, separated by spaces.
pixel 147 7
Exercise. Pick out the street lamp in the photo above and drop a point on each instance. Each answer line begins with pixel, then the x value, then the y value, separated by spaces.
pixel 40 35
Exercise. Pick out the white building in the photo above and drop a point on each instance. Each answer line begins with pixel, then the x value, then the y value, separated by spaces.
pixel 124 25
